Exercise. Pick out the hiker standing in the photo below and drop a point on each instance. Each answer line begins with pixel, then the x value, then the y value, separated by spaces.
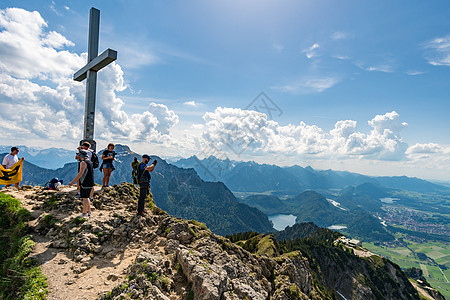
pixel 108 157
pixel 87 147
pixel 10 160
pixel 134 172
pixel 144 182
pixel 86 177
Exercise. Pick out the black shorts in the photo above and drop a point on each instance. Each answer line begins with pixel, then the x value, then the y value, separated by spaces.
pixel 85 192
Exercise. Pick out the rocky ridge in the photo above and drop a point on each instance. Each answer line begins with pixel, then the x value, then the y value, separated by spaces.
pixel 115 254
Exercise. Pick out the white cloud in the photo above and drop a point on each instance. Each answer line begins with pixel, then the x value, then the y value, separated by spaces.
pixel 342 57
pixel 414 72
pixel 236 131
pixel 28 51
pixel 381 68
pixel 439 51
pixel 311 52
pixel 308 85
pixel 340 35
pixel 321 84
pixel 192 103
pixel 40 99
pixel 424 148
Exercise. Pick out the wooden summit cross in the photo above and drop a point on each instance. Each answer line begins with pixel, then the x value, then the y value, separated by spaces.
pixel 94 64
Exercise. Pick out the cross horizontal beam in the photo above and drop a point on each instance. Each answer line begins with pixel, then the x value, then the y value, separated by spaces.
pixel 98 63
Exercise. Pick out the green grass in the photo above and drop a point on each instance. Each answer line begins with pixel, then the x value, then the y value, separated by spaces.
pixel 78 221
pixel 20 278
pixel 405 259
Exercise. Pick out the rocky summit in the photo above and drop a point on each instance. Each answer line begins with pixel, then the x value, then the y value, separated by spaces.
pixel 115 254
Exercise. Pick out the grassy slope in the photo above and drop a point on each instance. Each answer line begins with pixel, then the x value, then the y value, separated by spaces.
pixel 19 277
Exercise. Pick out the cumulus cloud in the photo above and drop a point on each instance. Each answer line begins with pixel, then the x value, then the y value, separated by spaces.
pixel 236 130
pixel 40 99
pixel 424 148
pixel 438 53
pixel 28 51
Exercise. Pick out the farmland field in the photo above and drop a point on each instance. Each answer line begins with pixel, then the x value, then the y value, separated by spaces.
pixel 405 257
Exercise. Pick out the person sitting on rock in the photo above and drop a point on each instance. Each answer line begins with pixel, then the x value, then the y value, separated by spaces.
pixel 86 177
pixel 144 182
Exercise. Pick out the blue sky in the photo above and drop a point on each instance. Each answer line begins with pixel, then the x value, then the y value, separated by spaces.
pixel 346 75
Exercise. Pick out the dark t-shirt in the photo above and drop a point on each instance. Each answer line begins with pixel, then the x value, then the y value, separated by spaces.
pixel 87 180
pixel 143 174
pixel 108 153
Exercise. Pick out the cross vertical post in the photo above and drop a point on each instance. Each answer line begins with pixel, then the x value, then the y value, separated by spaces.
pixel 89 72
pixel 91 77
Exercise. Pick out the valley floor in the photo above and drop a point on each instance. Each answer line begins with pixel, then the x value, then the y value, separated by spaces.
pixel 405 257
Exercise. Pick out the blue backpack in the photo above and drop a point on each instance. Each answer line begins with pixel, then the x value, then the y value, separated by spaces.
pixel 50 185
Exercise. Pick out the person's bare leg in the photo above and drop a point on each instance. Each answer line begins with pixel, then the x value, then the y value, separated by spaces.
pixel 91 195
pixel 104 176
pixel 109 175
pixel 16 185
pixel 86 205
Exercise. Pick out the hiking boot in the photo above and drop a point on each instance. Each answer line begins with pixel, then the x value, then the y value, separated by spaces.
pixel 83 216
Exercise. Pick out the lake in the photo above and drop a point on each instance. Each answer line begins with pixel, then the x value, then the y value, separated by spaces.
pixel 337 227
pixel 280 221
pixel 388 200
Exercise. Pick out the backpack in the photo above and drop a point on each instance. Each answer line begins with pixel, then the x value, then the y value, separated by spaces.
pixel 94 160
pixel 53 184
pixel 135 167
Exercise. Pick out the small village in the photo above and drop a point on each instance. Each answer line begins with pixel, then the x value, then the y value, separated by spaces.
pixel 413 220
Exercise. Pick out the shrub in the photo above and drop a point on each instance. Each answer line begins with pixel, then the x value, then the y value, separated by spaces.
pixel 20 278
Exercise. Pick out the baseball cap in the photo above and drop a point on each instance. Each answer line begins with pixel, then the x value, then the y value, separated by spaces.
pixel 145 156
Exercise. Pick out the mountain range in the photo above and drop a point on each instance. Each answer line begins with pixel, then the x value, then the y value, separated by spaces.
pixel 242 176
pixel 339 198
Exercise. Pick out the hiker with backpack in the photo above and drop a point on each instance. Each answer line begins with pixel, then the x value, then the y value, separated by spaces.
pixel 144 182
pixel 85 179
pixel 134 172
pixel 86 146
pixel 108 157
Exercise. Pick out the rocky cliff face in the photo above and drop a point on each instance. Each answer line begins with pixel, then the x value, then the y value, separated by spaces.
pixel 115 254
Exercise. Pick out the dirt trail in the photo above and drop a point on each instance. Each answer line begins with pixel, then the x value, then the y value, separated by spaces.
pixel 421 291
pixel 58 266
